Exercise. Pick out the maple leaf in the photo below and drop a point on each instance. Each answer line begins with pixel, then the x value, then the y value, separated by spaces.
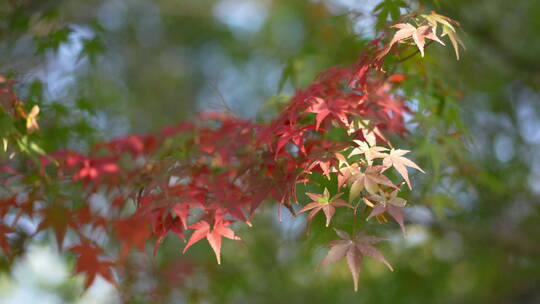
pixel 162 224
pixel 58 218
pixel 291 134
pixel 354 250
pixel 365 131
pixel 447 29
pixel 454 39
pixel 388 8
pixel 370 151
pixel 212 234
pixel 132 232
pixel 89 263
pixel 390 204
pixel 326 157
pixel 325 203
pixel 418 35
pixel 323 108
pixel 370 179
pixel 182 212
pixel 395 159
pixel 95 169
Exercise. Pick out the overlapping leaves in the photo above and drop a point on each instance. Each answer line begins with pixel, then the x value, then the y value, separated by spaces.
pixel 197 179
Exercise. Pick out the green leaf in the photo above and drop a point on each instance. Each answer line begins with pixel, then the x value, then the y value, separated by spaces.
pixel 53 40
pixel 388 10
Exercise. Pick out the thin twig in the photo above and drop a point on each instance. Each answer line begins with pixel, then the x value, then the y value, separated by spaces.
pixel 414 54
pixel 222 99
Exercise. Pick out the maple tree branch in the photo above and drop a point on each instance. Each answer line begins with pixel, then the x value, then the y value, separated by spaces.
pixel 414 53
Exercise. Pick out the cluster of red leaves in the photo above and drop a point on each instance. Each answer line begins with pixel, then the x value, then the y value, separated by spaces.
pixel 197 180
pixel 226 167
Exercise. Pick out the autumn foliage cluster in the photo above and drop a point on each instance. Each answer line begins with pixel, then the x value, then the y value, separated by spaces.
pixel 197 180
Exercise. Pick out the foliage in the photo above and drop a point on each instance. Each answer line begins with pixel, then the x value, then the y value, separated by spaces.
pixel 193 177
pixel 119 206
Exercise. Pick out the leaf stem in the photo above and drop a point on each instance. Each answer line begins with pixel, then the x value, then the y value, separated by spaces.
pixel 414 53
pixel 354 219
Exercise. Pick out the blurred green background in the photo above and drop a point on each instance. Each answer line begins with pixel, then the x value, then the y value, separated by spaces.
pixel 100 69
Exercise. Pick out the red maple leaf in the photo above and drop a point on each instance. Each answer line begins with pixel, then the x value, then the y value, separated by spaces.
pixel 132 232
pixel 97 168
pixel 322 108
pixel 287 133
pixel 162 222
pixel 89 263
pixel 212 234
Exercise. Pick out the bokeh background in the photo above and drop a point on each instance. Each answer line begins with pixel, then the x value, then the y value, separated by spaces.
pixel 101 69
